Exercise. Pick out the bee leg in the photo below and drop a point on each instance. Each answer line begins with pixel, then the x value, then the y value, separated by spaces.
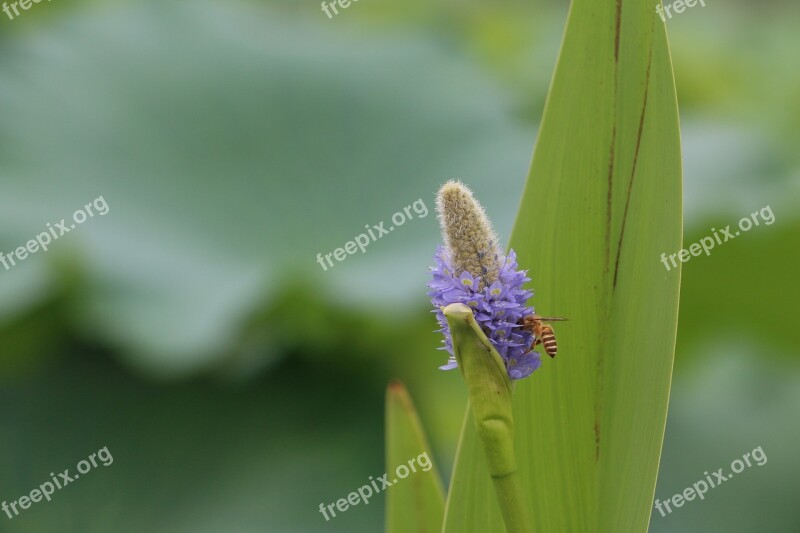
pixel 533 346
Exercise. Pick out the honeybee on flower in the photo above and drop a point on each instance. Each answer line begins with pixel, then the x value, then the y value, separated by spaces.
pixel 471 269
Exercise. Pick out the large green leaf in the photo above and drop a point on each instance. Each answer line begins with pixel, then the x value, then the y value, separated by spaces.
pixel 602 202
pixel 415 504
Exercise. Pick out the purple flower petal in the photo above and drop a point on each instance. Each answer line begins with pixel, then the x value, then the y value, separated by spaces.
pixel 498 310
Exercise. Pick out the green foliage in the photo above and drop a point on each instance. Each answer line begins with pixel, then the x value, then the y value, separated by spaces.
pixel 208 166
pixel 198 120
pixel 603 201
pixel 415 504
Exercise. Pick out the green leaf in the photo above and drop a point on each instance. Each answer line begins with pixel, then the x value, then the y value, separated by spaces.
pixel 414 504
pixel 602 203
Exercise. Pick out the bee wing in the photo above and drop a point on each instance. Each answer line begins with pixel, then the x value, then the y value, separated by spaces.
pixel 552 318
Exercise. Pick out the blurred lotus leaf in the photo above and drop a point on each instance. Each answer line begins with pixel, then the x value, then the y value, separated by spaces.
pixel 232 145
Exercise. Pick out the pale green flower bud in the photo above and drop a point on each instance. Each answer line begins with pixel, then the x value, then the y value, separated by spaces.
pixel 468 235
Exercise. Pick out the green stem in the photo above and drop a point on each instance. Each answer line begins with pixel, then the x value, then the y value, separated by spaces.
pixel 489 390
pixel 509 494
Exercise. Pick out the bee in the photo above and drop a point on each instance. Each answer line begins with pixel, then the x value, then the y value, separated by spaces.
pixel 543 333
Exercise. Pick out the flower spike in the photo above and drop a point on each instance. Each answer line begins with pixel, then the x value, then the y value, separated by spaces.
pixel 471 270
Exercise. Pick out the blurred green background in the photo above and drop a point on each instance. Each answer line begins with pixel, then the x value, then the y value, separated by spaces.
pixel 237 384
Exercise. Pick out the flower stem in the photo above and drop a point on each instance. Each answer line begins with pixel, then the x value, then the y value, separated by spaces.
pixel 509 495
pixel 489 390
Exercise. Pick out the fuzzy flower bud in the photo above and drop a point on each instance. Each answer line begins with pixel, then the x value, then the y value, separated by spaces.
pixel 468 235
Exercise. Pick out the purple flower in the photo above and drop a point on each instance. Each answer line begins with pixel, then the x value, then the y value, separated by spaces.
pixel 498 309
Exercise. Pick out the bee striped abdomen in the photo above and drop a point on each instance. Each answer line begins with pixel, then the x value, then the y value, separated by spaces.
pixel 549 341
